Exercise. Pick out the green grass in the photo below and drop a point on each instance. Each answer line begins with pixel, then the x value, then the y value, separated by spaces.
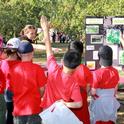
pixel 40 56
pixel 121 73
pixel 2 109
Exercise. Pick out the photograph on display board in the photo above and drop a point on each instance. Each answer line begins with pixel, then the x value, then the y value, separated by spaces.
pixel 90 47
pixel 121 57
pixel 113 36
pixel 92 29
pixel 91 65
pixel 96 39
pixel 95 55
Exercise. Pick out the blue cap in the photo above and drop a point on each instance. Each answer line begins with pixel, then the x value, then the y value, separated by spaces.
pixel 25 47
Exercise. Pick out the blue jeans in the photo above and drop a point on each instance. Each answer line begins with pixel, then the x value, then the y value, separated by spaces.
pixel 27 119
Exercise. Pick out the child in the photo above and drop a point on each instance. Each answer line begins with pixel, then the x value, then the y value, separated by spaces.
pixel 2 85
pixel 84 79
pixel 2 82
pixel 2 102
pixel 61 84
pixel 105 82
pixel 27 84
pixel 12 59
pixel 28 33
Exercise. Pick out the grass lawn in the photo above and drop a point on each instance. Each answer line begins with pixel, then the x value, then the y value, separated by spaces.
pixel 40 55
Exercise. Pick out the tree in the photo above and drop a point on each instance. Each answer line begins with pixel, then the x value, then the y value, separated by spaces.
pixel 65 15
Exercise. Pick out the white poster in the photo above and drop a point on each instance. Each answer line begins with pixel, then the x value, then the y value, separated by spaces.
pixel 94 20
pixel 90 47
pixel 118 21
pixel 95 55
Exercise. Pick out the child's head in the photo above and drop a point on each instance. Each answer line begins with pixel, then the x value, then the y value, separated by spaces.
pixel 25 51
pixel 71 59
pixel 105 55
pixel 76 45
pixel 29 31
pixel 11 47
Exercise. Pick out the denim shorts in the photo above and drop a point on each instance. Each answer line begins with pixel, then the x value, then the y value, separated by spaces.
pixel 27 119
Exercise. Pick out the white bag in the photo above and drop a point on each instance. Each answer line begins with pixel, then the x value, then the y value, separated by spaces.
pixel 58 113
pixel 105 107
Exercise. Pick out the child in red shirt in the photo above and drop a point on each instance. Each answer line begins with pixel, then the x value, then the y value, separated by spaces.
pixel 27 84
pixel 2 85
pixel 61 83
pixel 2 82
pixel 84 79
pixel 12 59
pixel 105 82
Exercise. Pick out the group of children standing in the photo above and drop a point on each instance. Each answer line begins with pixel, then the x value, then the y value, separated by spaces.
pixel 31 91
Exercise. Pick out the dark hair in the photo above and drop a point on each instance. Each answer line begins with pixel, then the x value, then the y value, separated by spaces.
pixel 72 59
pixel 23 37
pixel 11 52
pixel 105 55
pixel 76 45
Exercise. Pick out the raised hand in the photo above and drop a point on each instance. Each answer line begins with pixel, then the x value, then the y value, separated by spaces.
pixel 44 23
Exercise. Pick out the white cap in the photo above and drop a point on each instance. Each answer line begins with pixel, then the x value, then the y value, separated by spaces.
pixel 13 43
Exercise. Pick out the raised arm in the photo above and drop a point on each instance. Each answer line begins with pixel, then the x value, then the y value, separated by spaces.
pixel 45 27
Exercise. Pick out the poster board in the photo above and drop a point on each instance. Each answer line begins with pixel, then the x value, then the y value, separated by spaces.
pixel 100 31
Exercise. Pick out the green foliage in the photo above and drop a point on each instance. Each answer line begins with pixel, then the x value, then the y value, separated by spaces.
pixel 65 15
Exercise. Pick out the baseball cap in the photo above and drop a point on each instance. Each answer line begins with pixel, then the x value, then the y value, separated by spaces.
pixel 25 47
pixel 13 43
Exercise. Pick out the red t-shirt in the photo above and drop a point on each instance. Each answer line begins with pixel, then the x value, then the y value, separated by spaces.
pixel 105 78
pixel 2 82
pixel 5 67
pixel 26 80
pixel 83 77
pixel 59 85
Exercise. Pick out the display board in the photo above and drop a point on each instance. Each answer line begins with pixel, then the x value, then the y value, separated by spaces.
pixel 100 31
